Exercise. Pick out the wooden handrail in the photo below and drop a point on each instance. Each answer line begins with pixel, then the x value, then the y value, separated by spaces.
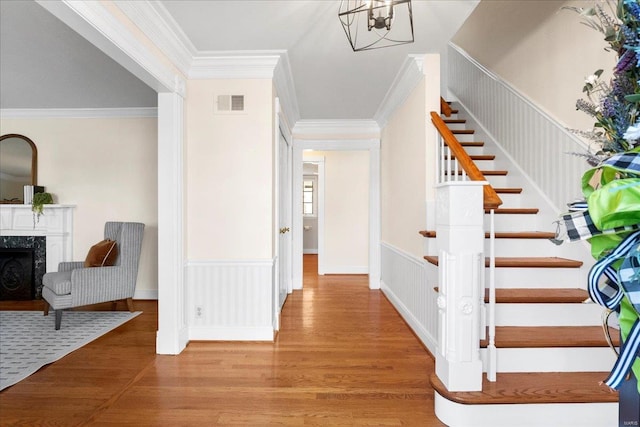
pixel 445 108
pixel 490 197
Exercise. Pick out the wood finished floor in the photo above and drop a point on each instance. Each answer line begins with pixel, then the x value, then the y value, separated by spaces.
pixel 343 357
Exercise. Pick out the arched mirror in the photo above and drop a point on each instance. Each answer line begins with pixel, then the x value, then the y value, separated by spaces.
pixel 18 166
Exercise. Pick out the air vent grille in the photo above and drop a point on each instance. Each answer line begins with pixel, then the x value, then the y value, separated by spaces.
pixel 230 103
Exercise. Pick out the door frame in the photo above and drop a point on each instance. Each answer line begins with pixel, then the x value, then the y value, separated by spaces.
pixel 281 129
pixel 373 147
pixel 319 160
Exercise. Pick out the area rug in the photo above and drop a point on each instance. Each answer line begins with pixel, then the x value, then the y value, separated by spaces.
pixel 28 339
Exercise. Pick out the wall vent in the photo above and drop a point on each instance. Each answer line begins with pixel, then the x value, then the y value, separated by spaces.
pixel 230 103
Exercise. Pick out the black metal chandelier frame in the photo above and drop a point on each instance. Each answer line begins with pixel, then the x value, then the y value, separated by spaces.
pixel 380 17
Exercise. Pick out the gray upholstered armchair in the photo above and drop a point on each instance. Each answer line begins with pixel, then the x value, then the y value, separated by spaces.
pixel 73 285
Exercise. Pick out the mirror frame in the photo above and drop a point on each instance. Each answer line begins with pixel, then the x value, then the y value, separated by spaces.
pixel 34 154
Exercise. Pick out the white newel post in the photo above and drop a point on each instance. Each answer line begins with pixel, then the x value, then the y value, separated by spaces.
pixel 460 240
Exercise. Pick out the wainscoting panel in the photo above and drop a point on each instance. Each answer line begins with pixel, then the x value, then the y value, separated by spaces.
pixel 408 283
pixel 535 141
pixel 231 300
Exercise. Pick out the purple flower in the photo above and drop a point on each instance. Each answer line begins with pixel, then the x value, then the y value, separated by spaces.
pixel 626 62
pixel 633 7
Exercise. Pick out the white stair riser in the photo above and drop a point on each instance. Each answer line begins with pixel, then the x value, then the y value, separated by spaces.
pixel 499 181
pixel 485 165
pixel 456 126
pixel 510 200
pixel 475 150
pixel 509 247
pixel 586 314
pixel 511 222
pixel 509 278
pixel 524 248
pixel 553 359
pixel 466 137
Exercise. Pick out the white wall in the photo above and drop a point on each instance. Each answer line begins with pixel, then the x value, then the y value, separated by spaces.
pixel 540 49
pixel 108 169
pixel 403 187
pixel 229 170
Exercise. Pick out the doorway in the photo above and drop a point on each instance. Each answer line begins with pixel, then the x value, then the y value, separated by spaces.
pixel 371 188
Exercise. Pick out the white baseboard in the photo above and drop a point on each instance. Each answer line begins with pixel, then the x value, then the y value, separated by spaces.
pixel 346 269
pixel 310 251
pixel 150 294
pixel 231 333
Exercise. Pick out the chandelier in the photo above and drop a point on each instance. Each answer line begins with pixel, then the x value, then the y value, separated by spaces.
pixel 374 24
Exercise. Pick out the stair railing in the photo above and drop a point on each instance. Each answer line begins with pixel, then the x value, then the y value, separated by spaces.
pixel 455 168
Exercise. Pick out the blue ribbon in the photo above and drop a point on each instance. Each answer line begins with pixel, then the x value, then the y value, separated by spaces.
pixel 610 295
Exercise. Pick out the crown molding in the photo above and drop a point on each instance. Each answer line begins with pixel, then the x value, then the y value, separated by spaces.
pixel 157 23
pixel 234 64
pixel 336 127
pixel 259 64
pixel 93 21
pixel 78 113
pixel 286 89
pixel 410 74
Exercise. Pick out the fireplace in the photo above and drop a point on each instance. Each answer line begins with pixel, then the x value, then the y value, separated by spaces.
pixel 23 262
pixel 50 239
pixel 16 274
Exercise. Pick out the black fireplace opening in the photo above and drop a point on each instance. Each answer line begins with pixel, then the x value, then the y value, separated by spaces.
pixel 17 274
pixel 23 262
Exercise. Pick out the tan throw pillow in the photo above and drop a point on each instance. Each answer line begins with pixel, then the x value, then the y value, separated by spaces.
pixel 102 254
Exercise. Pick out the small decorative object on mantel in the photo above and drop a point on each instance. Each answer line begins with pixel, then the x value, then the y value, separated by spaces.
pixel 37 205
pixel 609 215
pixel 29 191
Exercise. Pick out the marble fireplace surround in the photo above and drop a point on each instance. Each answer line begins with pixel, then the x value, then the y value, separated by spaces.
pixel 17 230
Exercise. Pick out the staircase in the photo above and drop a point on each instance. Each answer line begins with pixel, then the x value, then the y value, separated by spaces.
pixel 551 350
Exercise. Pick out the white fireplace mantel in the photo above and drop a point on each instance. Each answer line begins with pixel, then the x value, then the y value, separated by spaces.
pixel 56 224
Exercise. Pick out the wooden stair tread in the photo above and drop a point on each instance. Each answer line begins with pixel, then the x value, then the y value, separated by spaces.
pixel 537 296
pixel 476 157
pixel 463 131
pixel 552 336
pixel 449 121
pixel 526 262
pixel 534 387
pixel 454 111
pixel 472 144
pixel 507 190
pixel 506 234
pixel 527 211
pixel 487 173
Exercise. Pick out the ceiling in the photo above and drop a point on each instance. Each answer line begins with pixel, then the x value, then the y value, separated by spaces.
pixel 53 67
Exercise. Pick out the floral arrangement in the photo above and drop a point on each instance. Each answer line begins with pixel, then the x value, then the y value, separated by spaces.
pixel 609 216
pixel 615 105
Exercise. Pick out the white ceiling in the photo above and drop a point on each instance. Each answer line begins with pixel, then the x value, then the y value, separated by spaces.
pixel 331 81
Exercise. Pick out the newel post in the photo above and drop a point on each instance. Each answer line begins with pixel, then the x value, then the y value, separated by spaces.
pixel 460 241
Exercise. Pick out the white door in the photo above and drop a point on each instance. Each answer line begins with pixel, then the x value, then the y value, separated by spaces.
pixel 284 220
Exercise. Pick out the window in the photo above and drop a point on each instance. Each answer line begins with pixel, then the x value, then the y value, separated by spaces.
pixel 309 203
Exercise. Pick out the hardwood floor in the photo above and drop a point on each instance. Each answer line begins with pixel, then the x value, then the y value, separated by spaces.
pixel 343 357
